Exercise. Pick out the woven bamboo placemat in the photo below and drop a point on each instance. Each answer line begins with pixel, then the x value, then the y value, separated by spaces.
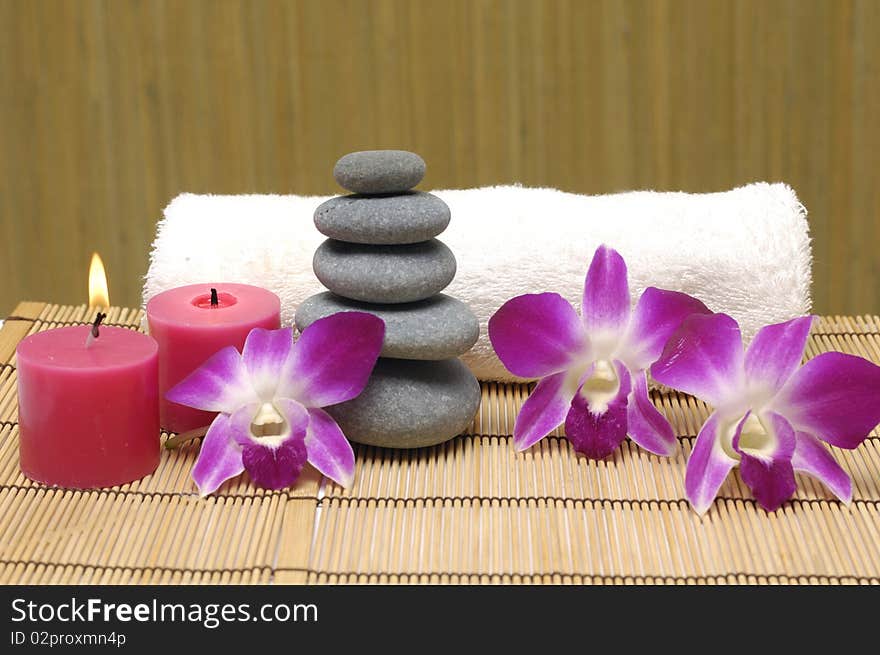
pixel 469 511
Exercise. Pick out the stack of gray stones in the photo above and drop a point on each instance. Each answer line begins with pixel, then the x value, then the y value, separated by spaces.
pixel 381 257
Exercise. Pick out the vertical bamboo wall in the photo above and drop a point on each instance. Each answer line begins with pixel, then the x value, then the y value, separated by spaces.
pixel 110 108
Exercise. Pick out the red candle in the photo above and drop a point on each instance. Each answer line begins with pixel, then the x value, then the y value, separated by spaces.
pixel 88 413
pixel 189 328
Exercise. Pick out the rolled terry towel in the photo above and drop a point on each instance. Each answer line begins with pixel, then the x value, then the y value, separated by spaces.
pixel 745 252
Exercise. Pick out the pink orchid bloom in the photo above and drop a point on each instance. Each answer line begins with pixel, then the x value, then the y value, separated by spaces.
pixel 270 398
pixel 592 367
pixel 771 414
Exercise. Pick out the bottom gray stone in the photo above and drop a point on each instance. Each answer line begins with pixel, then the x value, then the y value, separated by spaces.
pixel 410 404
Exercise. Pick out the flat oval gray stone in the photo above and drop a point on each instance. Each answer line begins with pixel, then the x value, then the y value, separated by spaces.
pixel 384 274
pixel 437 328
pixel 410 404
pixel 379 171
pixel 407 218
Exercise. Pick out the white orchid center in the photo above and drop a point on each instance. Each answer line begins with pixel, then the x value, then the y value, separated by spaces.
pixel 268 425
pixel 602 386
pixel 756 439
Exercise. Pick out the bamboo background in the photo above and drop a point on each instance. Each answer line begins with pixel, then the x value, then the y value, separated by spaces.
pixel 110 108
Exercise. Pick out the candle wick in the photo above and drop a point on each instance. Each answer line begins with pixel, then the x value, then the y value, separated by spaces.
pixel 94 332
pixel 215 301
pixel 98 319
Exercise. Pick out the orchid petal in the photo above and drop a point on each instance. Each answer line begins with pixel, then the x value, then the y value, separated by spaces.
pixel 606 304
pixel 221 384
pixel 703 358
pixel 543 411
pixel 812 457
pixel 775 353
pixel 274 467
pixel 772 483
pixel 240 421
pixel 657 315
pixel 264 355
pixel 276 462
pixel 647 426
pixel 835 397
pixel 219 458
pixel 295 419
pixel 536 335
pixel 766 436
pixel 707 466
pixel 768 471
pixel 328 449
pixel 597 431
pixel 333 359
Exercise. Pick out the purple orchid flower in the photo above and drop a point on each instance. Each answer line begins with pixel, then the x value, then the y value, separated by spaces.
pixel 270 398
pixel 592 368
pixel 771 414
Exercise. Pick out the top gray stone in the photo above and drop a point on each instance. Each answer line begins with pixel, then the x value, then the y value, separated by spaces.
pixel 379 171
pixel 383 220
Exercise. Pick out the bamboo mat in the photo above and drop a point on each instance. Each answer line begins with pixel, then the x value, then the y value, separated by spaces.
pixel 469 511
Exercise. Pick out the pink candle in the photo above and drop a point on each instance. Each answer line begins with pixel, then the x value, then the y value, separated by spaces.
pixel 88 414
pixel 189 329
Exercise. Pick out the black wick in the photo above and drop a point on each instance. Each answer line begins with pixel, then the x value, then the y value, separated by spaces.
pixel 100 317
pixel 215 301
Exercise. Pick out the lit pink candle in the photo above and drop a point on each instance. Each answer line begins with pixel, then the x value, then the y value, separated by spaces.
pixel 88 409
pixel 190 328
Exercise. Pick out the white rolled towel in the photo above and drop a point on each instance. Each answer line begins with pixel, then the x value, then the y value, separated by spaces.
pixel 745 252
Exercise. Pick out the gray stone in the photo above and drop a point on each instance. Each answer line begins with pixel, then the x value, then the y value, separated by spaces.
pixel 379 171
pixel 384 274
pixel 406 218
pixel 409 404
pixel 437 328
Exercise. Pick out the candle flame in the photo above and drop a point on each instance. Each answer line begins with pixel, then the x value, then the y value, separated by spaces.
pixel 98 294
